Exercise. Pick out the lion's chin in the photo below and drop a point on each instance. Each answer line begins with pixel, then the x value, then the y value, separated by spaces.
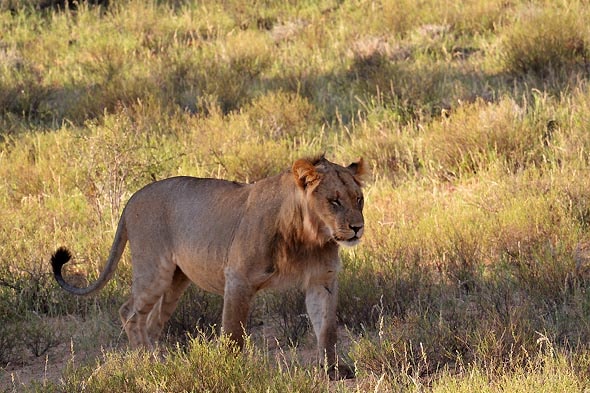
pixel 348 242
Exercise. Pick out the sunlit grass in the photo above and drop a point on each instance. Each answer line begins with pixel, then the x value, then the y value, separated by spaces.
pixel 474 269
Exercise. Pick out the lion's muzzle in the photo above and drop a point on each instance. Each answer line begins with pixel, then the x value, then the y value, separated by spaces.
pixel 353 240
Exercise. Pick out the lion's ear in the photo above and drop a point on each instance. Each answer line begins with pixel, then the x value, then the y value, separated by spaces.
pixel 359 171
pixel 305 173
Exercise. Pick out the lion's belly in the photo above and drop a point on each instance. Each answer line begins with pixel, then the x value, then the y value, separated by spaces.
pixel 203 270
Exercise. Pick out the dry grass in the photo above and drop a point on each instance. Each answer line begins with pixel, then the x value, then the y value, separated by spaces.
pixel 474 268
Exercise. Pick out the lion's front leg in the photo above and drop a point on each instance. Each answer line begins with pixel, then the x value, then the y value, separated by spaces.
pixel 236 306
pixel 321 299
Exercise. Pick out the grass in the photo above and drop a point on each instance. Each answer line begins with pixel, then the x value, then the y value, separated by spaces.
pixel 474 271
pixel 198 367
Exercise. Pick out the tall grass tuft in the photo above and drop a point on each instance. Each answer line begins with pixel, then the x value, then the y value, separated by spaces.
pixel 548 40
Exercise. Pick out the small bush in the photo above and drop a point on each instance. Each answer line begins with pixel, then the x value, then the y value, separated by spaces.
pixel 242 150
pixel 373 286
pixel 9 340
pixel 39 335
pixel 21 92
pixel 287 312
pixel 197 311
pixel 547 41
pixel 116 159
pixel 390 148
pixel 530 376
pixel 282 116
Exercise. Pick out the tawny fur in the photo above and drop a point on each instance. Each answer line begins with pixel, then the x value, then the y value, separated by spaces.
pixel 236 239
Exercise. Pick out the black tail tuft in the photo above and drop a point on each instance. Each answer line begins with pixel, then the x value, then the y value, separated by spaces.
pixel 59 258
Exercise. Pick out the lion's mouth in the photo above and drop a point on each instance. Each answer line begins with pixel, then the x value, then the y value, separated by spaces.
pixel 347 242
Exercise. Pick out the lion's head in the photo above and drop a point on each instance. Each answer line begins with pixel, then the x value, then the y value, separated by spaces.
pixel 332 198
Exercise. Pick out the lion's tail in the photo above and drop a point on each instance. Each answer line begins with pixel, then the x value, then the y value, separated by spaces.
pixel 62 256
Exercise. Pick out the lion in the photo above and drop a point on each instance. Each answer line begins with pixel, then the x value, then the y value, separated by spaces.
pixel 236 239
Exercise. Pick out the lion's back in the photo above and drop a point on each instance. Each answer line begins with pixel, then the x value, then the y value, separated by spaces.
pixel 185 209
pixel 186 193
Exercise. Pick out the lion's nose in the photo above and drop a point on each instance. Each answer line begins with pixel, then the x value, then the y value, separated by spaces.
pixel 356 228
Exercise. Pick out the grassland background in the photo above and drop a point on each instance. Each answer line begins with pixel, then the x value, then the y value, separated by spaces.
pixel 473 116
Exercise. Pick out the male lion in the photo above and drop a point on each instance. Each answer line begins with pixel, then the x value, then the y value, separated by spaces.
pixel 236 239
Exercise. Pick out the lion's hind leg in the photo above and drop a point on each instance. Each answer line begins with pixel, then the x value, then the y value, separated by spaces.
pixel 163 310
pixel 126 313
pixel 147 289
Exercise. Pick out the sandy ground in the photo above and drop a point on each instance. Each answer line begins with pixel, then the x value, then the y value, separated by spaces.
pixel 40 370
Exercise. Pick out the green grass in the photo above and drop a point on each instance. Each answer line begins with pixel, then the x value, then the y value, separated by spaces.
pixel 199 367
pixel 475 268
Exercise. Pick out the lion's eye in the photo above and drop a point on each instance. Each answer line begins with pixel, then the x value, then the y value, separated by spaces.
pixel 360 201
pixel 335 202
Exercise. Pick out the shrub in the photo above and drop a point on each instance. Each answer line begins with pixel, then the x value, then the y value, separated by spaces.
pixel 282 116
pixel 545 41
pixel 286 312
pixel 197 311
